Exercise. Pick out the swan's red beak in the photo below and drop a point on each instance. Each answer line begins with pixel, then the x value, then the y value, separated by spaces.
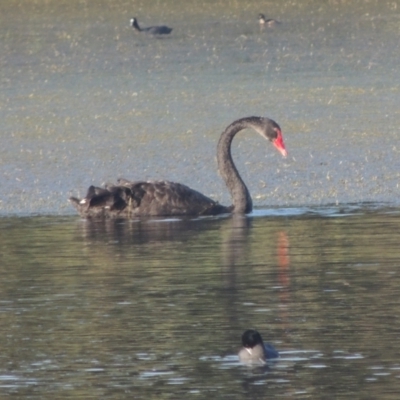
pixel 278 143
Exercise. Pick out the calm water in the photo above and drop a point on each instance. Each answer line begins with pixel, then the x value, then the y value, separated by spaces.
pixel 155 309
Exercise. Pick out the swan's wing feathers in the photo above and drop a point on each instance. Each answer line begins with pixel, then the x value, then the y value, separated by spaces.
pixel 102 201
pixel 94 191
pixel 170 198
pixel 141 198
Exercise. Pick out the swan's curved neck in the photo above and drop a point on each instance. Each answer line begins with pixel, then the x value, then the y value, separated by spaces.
pixel 241 198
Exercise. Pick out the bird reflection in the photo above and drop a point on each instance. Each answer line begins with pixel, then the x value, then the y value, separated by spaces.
pixel 284 276
pixel 234 245
pixel 143 231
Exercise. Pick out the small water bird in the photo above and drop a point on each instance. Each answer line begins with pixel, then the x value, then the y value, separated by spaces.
pixel 254 350
pixel 270 23
pixel 153 30
pixel 163 198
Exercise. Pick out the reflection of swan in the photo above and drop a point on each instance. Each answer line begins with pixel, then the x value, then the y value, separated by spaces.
pixel 130 199
pixel 254 350
pixel 144 233
pixel 154 30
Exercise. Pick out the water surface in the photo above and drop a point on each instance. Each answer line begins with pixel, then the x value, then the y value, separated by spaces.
pixel 156 308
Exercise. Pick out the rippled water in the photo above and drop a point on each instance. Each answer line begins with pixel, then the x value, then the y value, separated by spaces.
pixel 156 308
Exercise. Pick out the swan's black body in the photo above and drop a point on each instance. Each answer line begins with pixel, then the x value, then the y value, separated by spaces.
pixel 153 30
pixel 132 199
pixel 163 198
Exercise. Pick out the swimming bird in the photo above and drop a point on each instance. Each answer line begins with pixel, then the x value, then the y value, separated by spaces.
pixel 270 23
pixel 129 199
pixel 254 350
pixel 153 30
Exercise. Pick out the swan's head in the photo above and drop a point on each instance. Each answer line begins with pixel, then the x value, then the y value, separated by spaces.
pixel 278 143
pixel 261 18
pixel 133 21
pixel 273 132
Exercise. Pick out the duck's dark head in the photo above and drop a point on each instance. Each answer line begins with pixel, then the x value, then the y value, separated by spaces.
pixel 251 338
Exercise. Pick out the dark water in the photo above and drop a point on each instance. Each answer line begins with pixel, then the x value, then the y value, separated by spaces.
pixel 155 308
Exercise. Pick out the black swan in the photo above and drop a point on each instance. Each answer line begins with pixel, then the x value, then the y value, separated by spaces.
pixel 140 198
pixel 267 22
pixel 154 30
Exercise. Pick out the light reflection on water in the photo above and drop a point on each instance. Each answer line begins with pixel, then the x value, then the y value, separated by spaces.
pixel 157 308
